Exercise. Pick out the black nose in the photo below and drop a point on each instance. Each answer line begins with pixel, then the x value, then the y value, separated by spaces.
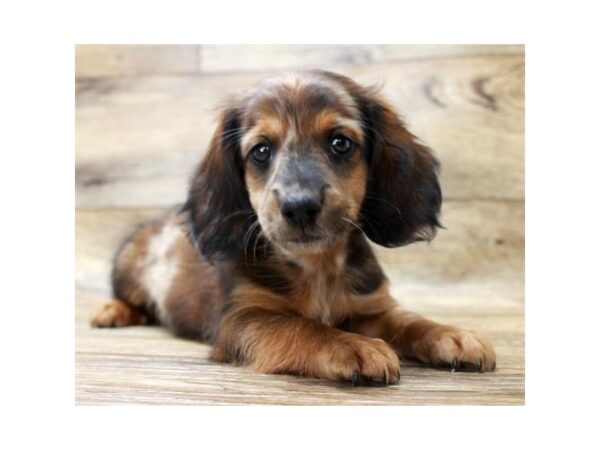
pixel 301 210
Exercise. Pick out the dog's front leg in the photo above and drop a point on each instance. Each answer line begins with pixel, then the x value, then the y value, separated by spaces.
pixel 414 336
pixel 271 342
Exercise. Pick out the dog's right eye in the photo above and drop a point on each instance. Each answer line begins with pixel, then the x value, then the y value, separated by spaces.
pixel 340 144
pixel 261 153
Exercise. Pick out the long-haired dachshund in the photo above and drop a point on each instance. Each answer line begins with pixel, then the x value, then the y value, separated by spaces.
pixel 269 257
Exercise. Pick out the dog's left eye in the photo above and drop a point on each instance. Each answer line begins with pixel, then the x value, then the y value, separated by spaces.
pixel 261 153
pixel 340 144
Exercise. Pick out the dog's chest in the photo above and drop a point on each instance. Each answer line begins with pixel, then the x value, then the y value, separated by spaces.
pixel 323 294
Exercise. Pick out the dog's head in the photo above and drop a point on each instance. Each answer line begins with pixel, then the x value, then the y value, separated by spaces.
pixel 302 160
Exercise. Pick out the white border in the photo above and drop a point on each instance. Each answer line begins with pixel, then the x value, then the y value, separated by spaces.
pixel 37 242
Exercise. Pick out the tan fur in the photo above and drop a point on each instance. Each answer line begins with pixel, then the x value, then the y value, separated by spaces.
pixel 117 313
pixel 415 337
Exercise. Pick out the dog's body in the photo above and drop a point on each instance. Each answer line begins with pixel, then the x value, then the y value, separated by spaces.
pixel 277 271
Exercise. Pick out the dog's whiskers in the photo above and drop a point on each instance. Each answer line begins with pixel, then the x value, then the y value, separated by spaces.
pixel 247 238
pixel 259 235
pixel 363 217
pixel 384 201
pixel 229 134
pixel 248 211
pixel 355 225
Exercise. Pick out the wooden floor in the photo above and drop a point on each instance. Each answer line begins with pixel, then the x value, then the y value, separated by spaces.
pixel 143 118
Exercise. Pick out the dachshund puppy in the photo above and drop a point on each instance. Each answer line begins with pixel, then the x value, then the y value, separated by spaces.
pixel 269 258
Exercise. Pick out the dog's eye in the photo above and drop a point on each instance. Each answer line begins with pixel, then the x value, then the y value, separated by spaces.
pixel 340 144
pixel 261 153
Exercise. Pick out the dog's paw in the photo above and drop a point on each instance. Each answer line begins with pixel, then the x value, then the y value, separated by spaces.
pixel 358 359
pixel 456 348
pixel 117 314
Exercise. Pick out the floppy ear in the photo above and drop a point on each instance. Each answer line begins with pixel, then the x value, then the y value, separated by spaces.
pixel 218 207
pixel 403 196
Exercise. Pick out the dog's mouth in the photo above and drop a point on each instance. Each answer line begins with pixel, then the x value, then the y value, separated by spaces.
pixel 312 241
pixel 308 239
pixel 306 244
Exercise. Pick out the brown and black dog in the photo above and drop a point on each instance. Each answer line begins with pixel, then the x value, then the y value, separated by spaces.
pixel 269 257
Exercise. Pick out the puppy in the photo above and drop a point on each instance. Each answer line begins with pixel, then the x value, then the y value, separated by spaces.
pixel 269 258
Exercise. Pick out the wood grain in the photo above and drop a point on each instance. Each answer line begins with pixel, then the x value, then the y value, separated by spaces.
pixel 143 136
pixel 92 61
pixel 258 58
pixel 101 61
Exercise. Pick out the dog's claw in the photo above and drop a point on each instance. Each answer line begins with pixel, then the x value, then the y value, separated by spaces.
pixel 478 366
pixel 385 377
pixel 494 366
pixel 354 377
pixel 454 364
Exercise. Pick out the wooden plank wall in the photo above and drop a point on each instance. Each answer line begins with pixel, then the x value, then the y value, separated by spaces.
pixel 144 115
